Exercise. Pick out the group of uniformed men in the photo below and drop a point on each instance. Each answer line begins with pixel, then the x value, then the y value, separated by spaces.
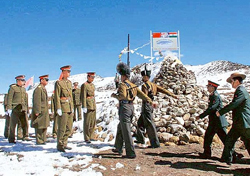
pixel 67 102
pixel 64 103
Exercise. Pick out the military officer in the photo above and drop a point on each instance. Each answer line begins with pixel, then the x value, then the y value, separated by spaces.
pixel 64 108
pixel 17 105
pixel 216 125
pixel 77 102
pixel 126 93
pixel 54 114
pixel 146 119
pixel 89 107
pixel 7 117
pixel 40 113
pixel 240 107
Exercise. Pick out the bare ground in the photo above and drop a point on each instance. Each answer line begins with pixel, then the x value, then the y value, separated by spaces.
pixel 171 160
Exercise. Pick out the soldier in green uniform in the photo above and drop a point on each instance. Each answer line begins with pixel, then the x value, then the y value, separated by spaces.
pixel 216 125
pixel 7 117
pixel 17 107
pixel 89 107
pixel 126 94
pixel 40 112
pixel 240 107
pixel 64 108
pixel 54 114
pixel 146 119
pixel 77 102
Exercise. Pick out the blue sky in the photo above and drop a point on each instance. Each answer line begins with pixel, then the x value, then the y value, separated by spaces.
pixel 38 37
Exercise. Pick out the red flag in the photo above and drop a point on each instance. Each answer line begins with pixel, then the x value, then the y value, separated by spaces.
pixel 29 82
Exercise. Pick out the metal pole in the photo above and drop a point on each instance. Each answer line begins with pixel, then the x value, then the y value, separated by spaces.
pixel 151 47
pixel 128 62
pixel 179 45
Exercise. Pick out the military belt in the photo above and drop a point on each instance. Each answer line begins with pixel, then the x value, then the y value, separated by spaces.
pixel 90 97
pixel 65 98
pixel 126 102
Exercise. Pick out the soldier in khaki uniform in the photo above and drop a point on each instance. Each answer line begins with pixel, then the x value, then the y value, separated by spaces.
pixel 64 108
pixel 17 108
pixel 7 117
pixel 40 112
pixel 54 114
pixel 146 119
pixel 126 94
pixel 20 126
pixel 89 107
pixel 77 102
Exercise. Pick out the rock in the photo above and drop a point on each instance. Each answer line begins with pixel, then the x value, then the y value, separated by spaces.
pixel 186 116
pixel 184 137
pixel 111 137
pixel 99 128
pixel 194 139
pixel 169 144
pixel 174 139
pixel 180 120
pixel 200 131
pixel 164 137
pixel 192 111
pixel 104 135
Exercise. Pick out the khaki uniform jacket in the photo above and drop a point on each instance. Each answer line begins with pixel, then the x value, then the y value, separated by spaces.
pixel 63 96
pixel 52 104
pixel 40 106
pixel 124 94
pixel 155 88
pixel 17 98
pixel 88 96
pixel 76 96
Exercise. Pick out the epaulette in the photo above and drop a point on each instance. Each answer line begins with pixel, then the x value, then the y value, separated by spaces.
pixel 39 86
pixel 12 85
pixel 216 93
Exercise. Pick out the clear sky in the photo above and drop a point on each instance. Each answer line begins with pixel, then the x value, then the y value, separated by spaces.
pixel 38 37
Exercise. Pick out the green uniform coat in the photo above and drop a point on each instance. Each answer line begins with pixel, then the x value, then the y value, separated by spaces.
pixel 40 106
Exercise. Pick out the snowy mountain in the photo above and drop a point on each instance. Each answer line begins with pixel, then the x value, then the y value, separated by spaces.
pixel 218 71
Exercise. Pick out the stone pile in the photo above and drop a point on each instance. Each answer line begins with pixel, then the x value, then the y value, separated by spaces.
pixel 175 119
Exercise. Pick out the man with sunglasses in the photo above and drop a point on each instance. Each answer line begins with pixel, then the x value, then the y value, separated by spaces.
pixel 64 108
pixel 240 107
pixel 89 107
pixel 17 105
pixel 40 112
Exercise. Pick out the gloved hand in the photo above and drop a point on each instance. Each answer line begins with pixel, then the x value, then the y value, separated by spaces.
pixel 84 110
pixel 6 113
pixel 9 111
pixel 59 112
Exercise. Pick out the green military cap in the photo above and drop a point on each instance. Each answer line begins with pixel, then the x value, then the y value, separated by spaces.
pixel 20 77
pixel 66 67
pixel 211 83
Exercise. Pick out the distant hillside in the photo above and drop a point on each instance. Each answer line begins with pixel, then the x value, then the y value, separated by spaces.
pixel 219 71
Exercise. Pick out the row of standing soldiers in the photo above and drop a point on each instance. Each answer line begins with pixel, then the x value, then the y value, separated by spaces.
pixel 63 104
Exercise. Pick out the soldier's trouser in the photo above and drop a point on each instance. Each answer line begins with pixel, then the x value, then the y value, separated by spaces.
pixel 124 129
pixel 79 112
pixel 22 128
pixel 55 125
pixel 65 123
pixel 15 116
pixel 41 135
pixel 146 122
pixel 208 139
pixel 89 124
pixel 7 126
pixel 232 136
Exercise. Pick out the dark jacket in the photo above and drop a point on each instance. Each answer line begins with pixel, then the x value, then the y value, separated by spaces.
pixel 215 104
pixel 240 106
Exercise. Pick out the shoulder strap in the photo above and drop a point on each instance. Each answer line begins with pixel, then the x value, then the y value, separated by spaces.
pixel 129 90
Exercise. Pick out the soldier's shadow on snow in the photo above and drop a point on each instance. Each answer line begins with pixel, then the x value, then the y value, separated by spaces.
pixel 109 155
pixel 180 155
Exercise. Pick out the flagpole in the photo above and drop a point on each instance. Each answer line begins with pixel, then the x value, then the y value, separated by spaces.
pixel 151 47
pixel 179 45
